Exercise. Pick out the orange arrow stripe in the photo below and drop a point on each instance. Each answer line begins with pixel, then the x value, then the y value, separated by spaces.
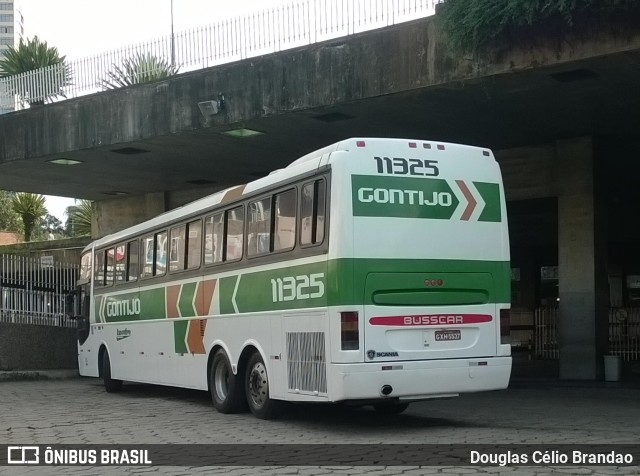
pixel 471 206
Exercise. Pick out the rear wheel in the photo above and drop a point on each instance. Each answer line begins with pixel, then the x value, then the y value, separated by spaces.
pixel 111 385
pixel 394 408
pixel 257 389
pixel 226 388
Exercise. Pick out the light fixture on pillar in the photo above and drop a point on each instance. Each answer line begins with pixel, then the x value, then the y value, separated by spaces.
pixel 212 107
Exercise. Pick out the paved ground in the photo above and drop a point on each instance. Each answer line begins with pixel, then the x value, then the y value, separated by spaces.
pixel 532 412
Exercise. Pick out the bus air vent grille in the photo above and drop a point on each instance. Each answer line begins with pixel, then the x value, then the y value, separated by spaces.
pixel 306 362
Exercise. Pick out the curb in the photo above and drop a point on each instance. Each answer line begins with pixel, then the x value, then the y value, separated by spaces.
pixel 20 375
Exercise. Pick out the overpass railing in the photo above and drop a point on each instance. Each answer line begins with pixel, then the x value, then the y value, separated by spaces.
pixel 300 23
pixel 37 291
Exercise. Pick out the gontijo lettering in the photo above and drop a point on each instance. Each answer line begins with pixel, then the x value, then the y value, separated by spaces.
pixel 400 197
pixel 126 307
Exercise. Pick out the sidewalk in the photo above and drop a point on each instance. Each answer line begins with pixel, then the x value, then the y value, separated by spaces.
pixel 52 374
pixel 528 373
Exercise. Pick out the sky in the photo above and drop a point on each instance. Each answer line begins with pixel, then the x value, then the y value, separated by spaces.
pixel 80 28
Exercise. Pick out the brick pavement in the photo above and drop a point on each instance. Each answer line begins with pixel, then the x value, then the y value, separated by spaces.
pixel 79 411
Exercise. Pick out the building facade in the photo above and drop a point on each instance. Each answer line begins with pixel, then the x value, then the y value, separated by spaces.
pixel 11 30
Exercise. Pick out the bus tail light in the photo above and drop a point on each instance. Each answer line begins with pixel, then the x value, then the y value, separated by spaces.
pixel 505 326
pixel 349 333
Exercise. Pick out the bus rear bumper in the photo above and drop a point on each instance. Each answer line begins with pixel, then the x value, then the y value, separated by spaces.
pixel 418 380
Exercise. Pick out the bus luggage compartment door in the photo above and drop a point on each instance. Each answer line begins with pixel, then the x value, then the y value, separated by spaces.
pixel 416 316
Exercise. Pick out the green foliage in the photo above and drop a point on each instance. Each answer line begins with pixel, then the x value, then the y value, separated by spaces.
pixel 33 55
pixel 47 226
pixel 80 218
pixel 472 25
pixel 142 68
pixel 30 207
pixel 9 219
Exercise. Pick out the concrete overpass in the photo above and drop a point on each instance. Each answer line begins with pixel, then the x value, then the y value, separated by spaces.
pixel 399 82
pixel 562 115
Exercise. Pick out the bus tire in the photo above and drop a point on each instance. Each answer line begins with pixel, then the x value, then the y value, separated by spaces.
pixel 226 388
pixel 390 408
pixel 257 389
pixel 111 385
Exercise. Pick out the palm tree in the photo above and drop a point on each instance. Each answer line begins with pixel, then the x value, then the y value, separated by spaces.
pixel 80 218
pixel 142 68
pixel 30 207
pixel 30 56
pixel 9 220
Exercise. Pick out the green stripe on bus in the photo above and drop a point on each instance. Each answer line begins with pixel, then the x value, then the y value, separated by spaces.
pixel 179 336
pixel 185 303
pixel 465 282
pixel 293 287
pixel 490 193
pixel 339 282
pixel 349 275
pixel 153 303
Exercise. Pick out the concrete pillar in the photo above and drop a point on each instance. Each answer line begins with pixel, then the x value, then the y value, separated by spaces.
pixel 115 214
pixel 582 258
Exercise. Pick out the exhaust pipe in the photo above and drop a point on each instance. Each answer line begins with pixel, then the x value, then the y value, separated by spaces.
pixel 386 390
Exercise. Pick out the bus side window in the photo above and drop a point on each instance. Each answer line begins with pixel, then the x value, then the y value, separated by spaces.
pixel 259 234
pixel 110 266
pixel 285 220
pixel 214 233
pixel 194 246
pixel 234 233
pixel 161 254
pixel 132 263
pixel 85 267
pixel 99 267
pixel 176 255
pixel 313 212
pixel 148 245
pixel 121 263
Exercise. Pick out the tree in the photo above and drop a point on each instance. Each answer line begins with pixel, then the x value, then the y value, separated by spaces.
pixel 48 225
pixel 142 68
pixel 475 25
pixel 9 219
pixel 33 55
pixel 30 207
pixel 80 218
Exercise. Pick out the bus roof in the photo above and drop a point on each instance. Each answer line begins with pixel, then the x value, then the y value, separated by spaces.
pixel 299 166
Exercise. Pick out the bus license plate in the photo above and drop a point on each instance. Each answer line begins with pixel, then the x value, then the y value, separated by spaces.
pixel 448 335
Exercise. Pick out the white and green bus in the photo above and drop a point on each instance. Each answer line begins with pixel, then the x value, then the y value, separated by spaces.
pixel 372 272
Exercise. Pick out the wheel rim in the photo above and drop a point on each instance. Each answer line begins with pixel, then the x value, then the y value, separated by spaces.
pixel 258 385
pixel 221 380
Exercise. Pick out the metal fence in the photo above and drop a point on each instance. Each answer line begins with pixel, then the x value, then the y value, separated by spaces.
pixel 37 291
pixel 624 333
pixel 623 325
pixel 545 333
pixel 300 23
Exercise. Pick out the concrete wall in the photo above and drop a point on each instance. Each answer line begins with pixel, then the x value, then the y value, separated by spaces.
pixel 65 251
pixel 27 347
pixel 406 57
pixel 110 216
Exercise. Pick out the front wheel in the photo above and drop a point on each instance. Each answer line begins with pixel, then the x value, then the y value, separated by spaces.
pixel 111 385
pixel 257 389
pixel 226 388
